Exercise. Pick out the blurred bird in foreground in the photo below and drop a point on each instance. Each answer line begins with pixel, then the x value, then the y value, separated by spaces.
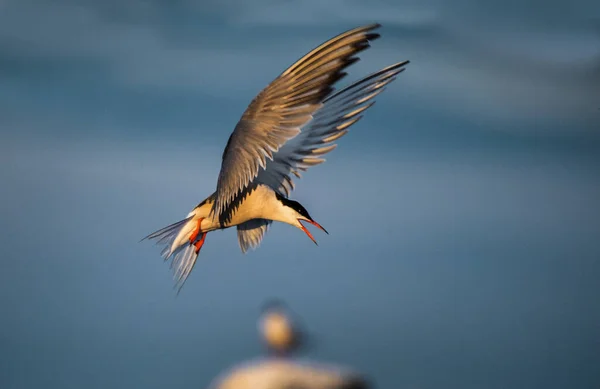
pixel 287 128
pixel 284 374
pixel 282 337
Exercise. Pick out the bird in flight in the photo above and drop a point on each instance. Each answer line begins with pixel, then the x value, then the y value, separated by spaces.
pixel 286 129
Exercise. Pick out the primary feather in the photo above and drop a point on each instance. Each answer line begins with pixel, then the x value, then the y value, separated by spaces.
pixel 279 111
pixel 332 121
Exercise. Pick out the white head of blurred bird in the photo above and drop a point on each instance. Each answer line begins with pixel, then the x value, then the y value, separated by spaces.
pixel 280 329
pixel 287 128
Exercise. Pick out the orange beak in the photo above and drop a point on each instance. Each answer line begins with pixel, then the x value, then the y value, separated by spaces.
pixel 307 232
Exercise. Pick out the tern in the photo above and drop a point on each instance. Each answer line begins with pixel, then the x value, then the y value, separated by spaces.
pixel 279 329
pixel 286 129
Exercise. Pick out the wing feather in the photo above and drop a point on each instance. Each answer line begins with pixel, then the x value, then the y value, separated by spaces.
pixel 279 111
pixel 339 111
pixel 251 233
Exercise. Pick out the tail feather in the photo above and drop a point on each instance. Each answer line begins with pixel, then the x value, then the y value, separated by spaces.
pixel 183 262
pixel 169 231
pixel 183 256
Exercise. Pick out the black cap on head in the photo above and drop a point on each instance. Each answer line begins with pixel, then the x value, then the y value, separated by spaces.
pixel 296 206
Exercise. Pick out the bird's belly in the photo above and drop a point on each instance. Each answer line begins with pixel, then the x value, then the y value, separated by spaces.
pixel 250 208
pixel 247 210
pixel 209 224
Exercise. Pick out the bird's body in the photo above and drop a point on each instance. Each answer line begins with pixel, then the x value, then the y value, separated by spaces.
pixel 260 202
pixel 287 128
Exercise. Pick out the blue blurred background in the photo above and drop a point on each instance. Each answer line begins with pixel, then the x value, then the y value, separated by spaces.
pixel 463 209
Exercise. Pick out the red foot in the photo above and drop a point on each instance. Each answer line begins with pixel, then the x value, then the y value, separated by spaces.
pixel 200 243
pixel 196 231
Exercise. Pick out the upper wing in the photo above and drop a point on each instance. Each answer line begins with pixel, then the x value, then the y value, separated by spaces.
pixel 250 233
pixel 331 122
pixel 279 111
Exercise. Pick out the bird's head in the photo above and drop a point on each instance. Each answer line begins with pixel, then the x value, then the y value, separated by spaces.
pixel 281 329
pixel 295 213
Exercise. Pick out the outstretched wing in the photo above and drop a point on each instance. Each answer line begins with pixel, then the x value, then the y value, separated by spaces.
pixel 250 233
pixel 280 110
pixel 340 111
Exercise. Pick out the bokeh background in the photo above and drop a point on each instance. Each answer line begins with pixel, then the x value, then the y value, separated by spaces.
pixel 463 209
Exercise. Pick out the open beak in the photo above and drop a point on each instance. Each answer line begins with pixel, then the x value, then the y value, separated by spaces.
pixel 307 232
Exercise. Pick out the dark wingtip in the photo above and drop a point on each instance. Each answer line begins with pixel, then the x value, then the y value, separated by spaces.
pixel 372 36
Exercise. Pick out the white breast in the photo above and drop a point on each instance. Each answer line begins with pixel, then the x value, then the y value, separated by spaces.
pixel 261 203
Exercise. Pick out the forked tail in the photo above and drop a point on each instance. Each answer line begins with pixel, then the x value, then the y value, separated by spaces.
pixel 181 244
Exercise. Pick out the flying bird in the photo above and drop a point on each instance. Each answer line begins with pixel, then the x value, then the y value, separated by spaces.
pixel 286 129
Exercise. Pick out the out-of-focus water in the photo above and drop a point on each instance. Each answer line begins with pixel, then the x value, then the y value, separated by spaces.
pixel 463 209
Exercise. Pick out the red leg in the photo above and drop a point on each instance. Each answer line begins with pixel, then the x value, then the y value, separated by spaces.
pixel 194 235
pixel 200 243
